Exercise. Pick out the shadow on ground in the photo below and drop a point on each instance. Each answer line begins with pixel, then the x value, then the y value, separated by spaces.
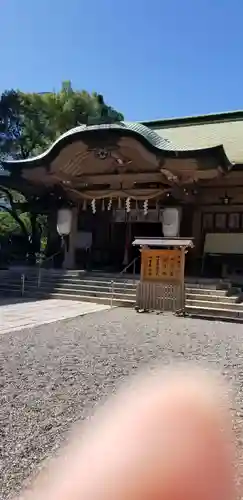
pixel 5 301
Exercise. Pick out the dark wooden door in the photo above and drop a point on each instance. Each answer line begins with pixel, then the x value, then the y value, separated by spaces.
pixel 186 221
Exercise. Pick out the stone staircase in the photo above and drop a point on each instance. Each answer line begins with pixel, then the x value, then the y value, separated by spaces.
pixel 74 285
pixel 213 300
pixel 204 298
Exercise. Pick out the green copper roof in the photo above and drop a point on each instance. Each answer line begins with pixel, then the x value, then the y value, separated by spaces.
pixel 156 140
pixel 206 131
pixel 195 119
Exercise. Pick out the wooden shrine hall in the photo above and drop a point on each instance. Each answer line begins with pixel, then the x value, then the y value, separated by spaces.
pixel 103 185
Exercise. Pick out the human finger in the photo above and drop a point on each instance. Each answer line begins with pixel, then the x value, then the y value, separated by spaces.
pixel 167 437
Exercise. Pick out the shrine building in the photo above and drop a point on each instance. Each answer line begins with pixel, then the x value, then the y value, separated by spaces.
pixel 117 180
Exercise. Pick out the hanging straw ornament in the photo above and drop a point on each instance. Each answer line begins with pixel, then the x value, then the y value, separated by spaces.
pixel 145 207
pixel 109 205
pixel 93 206
pixel 103 205
pixel 84 207
pixel 119 203
pixel 128 205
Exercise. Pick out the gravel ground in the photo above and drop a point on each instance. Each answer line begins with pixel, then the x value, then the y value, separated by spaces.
pixel 54 375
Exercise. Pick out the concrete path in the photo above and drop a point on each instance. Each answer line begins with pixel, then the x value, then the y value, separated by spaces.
pixel 28 314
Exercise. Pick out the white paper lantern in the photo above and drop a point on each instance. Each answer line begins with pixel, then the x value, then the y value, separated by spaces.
pixel 64 221
pixel 171 222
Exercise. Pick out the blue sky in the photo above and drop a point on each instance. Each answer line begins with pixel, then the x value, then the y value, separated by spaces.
pixel 149 58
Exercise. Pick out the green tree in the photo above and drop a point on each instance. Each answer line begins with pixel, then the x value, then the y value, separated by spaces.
pixel 30 122
pixel 9 226
pixel 9 203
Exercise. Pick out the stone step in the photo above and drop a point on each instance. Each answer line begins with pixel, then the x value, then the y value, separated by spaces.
pixel 88 289
pixel 6 292
pixel 200 280
pixel 103 296
pixel 82 292
pixel 208 286
pixel 90 283
pixel 10 286
pixel 119 288
pixel 214 313
pixel 78 282
pixel 212 298
pixel 105 283
pixel 52 274
pixel 88 298
pixel 206 291
pixel 218 305
pixel 70 288
pixel 16 282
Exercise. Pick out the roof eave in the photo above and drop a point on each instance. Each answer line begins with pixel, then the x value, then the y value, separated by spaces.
pixel 194 120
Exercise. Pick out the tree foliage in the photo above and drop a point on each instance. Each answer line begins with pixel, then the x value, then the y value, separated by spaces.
pixel 30 122
pixel 9 202
pixel 9 226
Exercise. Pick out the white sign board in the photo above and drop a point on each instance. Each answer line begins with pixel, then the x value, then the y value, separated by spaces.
pixel 223 243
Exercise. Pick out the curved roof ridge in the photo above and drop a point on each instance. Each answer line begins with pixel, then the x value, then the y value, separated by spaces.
pixel 151 136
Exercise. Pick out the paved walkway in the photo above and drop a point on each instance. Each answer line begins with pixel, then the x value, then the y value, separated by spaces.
pixel 17 316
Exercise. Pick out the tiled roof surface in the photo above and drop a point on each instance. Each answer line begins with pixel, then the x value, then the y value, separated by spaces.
pixel 205 135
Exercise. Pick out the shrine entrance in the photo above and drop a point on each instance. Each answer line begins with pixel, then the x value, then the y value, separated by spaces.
pixel 186 229
pixel 146 229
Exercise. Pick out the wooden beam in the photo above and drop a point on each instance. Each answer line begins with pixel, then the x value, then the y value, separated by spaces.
pixel 130 178
pixel 112 178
